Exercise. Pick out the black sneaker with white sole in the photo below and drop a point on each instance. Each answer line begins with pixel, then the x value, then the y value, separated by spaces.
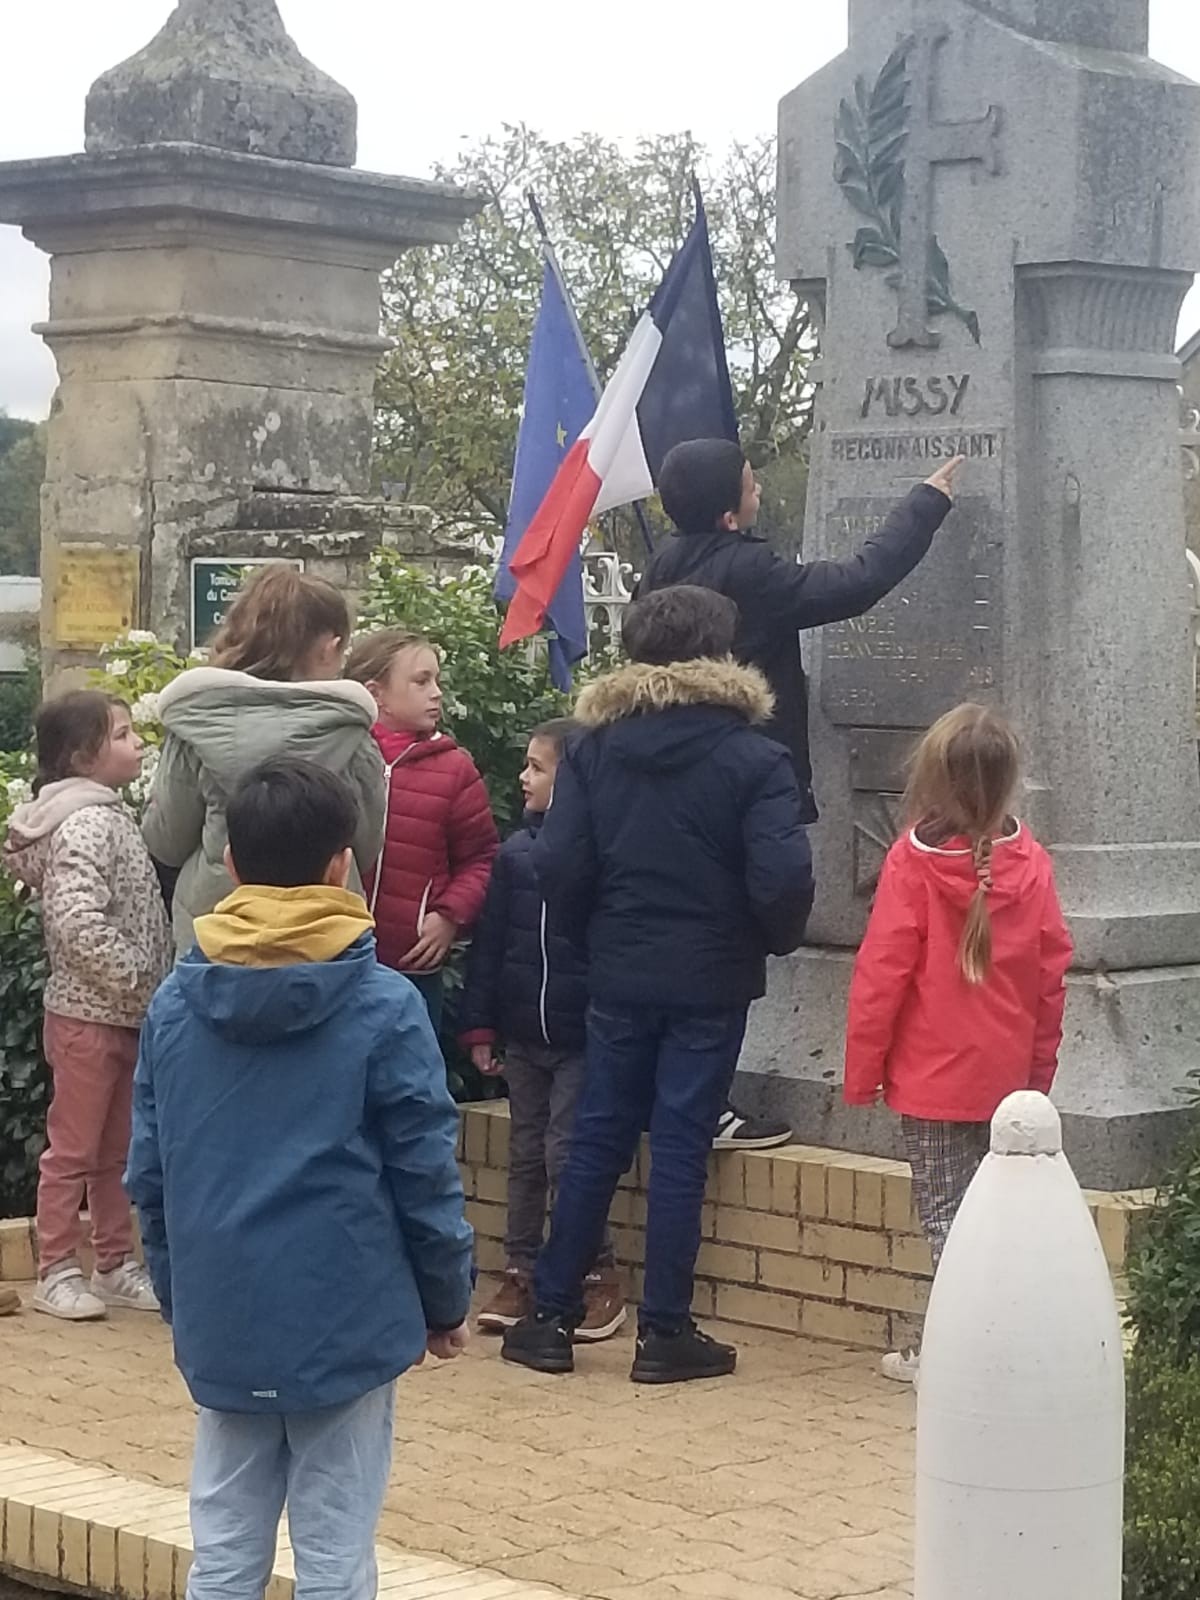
pixel 680 1357
pixel 541 1342
pixel 737 1132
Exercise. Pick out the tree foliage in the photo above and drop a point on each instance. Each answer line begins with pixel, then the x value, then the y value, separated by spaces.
pixel 449 396
pixel 22 468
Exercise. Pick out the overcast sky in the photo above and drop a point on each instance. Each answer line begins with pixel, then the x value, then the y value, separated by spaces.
pixel 426 76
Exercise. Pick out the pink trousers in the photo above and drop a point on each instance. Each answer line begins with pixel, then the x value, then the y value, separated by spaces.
pixel 87 1133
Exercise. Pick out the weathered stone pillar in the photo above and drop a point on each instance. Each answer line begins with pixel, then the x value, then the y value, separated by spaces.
pixel 214 311
pixel 994 201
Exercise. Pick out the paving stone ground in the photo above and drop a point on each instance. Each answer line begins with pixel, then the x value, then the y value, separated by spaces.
pixel 792 1481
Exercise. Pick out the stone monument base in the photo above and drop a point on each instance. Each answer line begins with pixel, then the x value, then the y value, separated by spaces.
pixel 1130 1039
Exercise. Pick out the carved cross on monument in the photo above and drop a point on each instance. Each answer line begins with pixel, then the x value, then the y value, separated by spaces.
pixel 931 144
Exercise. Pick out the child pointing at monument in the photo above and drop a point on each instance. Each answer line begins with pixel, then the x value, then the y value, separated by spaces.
pixel 709 491
pixel 957 996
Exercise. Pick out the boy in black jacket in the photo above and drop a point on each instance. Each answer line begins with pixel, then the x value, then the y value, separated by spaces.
pixel 526 987
pixel 674 847
pixel 709 491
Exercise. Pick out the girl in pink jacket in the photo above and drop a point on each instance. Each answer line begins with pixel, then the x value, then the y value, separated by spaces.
pixel 78 845
pixel 957 995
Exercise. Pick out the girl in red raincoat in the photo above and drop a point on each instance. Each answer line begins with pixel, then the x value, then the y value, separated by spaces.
pixel 957 995
pixel 430 881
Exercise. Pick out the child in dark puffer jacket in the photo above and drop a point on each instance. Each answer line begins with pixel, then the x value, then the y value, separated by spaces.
pixel 440 840
pixel 526 988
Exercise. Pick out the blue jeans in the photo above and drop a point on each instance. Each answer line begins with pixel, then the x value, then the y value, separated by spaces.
pixel 431 986
pixel 653 1068
pixel 329 1467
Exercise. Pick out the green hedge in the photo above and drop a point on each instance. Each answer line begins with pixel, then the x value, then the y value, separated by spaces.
pixel 1162 1486
pixel 1162 1483
pixel 24 1078
pixel 19 698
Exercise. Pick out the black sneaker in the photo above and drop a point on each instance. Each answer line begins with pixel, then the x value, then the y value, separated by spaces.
pixel 736 1132
pixel 678 1357
pixel 542 1342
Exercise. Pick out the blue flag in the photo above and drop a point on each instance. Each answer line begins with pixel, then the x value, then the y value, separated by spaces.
pixel 559 402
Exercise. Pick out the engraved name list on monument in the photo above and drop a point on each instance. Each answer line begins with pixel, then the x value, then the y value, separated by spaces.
pixel 936 639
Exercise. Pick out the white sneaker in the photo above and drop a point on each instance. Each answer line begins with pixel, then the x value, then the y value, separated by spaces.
pixel 902 1366
pixel 127 1285
pixel 64 1294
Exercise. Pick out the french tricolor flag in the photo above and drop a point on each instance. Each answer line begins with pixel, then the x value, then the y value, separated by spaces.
pixel 671 384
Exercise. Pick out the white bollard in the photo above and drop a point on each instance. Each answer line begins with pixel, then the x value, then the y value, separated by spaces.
pixel 1021 1402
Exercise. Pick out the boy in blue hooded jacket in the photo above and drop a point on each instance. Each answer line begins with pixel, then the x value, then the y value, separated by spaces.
pixel 293 1167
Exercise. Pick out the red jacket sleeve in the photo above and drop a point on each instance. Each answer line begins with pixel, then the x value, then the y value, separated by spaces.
pixel 882 974
pixel 472 842
pixel 1057 951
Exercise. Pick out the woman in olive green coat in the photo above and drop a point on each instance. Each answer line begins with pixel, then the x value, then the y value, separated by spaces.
pixel 272 689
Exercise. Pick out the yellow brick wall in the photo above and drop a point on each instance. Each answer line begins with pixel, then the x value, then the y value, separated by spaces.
pixel 810 1241
pixel 803 1240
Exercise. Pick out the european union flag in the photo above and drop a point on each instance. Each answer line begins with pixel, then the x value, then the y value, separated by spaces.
pixel 559 402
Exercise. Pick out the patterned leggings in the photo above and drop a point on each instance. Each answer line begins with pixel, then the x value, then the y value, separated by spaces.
pixel 944 1157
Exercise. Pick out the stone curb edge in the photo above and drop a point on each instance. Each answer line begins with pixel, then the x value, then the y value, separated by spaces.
pixel 97 1533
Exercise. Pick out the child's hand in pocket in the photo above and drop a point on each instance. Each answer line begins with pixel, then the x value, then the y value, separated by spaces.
pixel 483 1060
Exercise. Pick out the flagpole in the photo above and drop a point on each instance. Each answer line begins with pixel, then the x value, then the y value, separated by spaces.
pixel 551 260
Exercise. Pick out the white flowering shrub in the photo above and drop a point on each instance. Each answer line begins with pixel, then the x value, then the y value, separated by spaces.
pixel 138 667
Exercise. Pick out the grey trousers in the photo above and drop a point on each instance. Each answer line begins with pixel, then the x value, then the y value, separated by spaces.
pixel 543 1090
pixel 944 1157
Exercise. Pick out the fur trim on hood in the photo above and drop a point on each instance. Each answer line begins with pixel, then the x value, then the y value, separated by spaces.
pixel 638 688
pixel 199 680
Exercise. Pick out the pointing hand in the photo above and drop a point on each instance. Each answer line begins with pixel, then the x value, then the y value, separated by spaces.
pixel 943 478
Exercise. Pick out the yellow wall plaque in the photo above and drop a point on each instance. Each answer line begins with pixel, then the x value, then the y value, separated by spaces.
pixel 96 595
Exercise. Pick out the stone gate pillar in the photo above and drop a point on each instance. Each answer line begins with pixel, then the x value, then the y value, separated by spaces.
pixel 993 203
pixel 214 313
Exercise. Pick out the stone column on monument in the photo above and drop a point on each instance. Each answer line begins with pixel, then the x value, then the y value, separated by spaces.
pixel 993 200
pixel 214 313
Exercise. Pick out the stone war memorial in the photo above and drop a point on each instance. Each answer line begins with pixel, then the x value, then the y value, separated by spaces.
pixel 214 314
pixel 992 206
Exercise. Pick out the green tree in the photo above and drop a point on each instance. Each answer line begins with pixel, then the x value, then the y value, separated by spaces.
pixel 449 395
pixel 22 468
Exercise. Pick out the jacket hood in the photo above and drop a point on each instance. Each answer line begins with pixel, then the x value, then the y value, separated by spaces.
pixel 702 703
pixel 234 720
pixel 1016 867
pixel 393 744
pixel 259 926
pixel 32 824
pixel 262 1005
pixel 638 688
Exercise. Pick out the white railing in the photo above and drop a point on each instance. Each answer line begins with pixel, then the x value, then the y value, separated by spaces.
pixel 606 593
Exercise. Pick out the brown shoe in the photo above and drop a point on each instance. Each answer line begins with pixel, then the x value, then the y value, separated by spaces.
pixel 10 1302
pixel 512 1301
pixel 603 1306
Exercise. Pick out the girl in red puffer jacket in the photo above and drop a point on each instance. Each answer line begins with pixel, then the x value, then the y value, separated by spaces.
pixel 430 881
pixel 957 996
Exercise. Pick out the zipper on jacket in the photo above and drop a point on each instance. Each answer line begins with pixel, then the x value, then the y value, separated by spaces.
pixel 545 979
pixel 387 817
